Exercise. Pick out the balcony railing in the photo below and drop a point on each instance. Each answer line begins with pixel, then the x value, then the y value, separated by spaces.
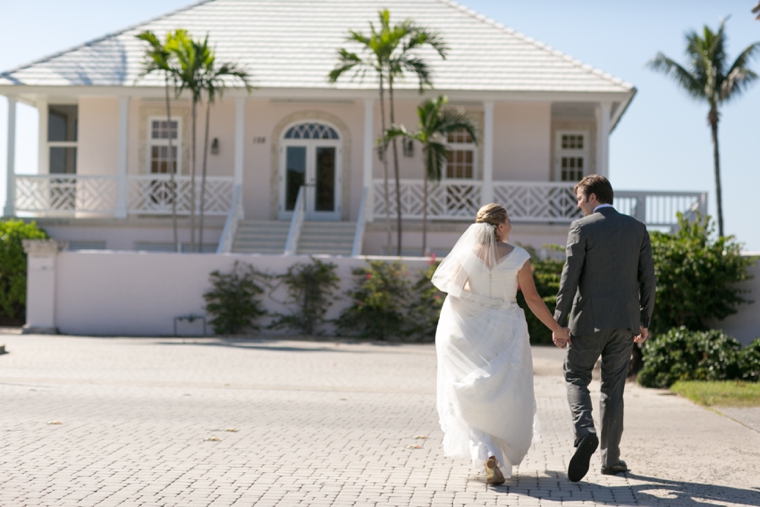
pixel 544 202
pixel 145 194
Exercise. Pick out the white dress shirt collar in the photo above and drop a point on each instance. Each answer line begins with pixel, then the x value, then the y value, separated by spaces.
pixel 602 206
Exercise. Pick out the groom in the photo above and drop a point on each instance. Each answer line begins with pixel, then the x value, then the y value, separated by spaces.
pixel 607 292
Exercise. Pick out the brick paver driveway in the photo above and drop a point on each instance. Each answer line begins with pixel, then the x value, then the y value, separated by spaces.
pixel 316 423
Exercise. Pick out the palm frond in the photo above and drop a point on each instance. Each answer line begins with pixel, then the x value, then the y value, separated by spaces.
pixel 688 81
pixel 739 75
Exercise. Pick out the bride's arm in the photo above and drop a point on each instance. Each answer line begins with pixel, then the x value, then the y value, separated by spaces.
pixel 535 303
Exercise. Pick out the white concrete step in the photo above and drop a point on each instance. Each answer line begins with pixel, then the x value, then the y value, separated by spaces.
pixel 260 236
pixel 332 238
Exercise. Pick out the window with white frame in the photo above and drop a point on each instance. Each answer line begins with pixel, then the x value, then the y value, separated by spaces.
pixel 159 134
pixel 571 160
pixel 461 160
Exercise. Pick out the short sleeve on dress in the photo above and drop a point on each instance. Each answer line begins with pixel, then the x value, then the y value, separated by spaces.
pixel 519 257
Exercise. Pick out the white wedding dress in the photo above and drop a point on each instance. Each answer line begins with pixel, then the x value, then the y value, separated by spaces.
pixel 486 404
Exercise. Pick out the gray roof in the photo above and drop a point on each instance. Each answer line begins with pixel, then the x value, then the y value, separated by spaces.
pixel 292 44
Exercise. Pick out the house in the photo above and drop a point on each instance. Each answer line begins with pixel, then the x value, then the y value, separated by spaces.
pixel 102 180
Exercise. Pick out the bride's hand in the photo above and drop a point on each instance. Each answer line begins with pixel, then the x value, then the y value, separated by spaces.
pixel 561 338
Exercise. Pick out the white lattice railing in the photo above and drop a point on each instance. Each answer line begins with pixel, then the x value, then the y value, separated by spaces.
pixel 530 201
pixel 146 194
pixel 62 193
pixel 151 195
pixel 447 200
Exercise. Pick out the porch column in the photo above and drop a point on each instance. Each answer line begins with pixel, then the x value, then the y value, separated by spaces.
pixel 10 181
pixel 486 195
pixel 121 179
pixel 43 151
pixel 369 123
pixel 239 139
pixel 602 138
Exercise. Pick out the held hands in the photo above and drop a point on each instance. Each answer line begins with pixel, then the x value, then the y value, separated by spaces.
pixel 643 335
pixel 561 337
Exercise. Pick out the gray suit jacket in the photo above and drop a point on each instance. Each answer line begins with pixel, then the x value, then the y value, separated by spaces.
pixel 608 278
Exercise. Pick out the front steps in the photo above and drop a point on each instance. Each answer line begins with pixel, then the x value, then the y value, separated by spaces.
pixel 331 238
pixel 269 237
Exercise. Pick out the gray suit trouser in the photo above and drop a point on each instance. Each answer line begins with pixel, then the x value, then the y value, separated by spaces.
pixel 615 347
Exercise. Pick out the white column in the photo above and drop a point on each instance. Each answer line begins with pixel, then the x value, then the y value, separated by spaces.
pixel 40 284
pixel 602 138
pixel 121 181
pixel 10 181
pixel 369 124
pixel 239 139
pixel 43 150
pixel 486 195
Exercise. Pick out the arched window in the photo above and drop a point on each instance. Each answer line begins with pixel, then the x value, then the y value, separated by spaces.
pixel 311 131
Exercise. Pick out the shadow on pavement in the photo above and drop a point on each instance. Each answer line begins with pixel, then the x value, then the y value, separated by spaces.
pixel 269 344
pixel 653 491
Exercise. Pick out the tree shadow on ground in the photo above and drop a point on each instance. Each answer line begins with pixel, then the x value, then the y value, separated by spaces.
pixel 639 490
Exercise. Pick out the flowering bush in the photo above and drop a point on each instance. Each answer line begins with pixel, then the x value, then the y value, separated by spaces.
pixel 13 268
pixel 234 302
pixel 379 302
pixel 426 305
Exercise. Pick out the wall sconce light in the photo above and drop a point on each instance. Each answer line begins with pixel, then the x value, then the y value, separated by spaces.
pixel 408 148
pixel 215 146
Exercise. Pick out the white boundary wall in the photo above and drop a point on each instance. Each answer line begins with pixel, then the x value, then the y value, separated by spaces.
pixel 745 325
pixel 139 293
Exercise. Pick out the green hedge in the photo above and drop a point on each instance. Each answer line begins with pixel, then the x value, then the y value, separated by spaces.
pixel 13 267
pixel 681 354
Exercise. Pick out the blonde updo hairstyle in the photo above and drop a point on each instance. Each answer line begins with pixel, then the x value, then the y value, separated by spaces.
pixel 493 214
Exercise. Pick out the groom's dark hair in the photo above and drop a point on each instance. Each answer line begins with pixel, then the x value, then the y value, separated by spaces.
pixel 596 184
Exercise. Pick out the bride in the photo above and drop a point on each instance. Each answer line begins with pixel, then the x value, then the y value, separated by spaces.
pixel 486 405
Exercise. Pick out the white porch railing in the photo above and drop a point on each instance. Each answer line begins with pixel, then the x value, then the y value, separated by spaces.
pixel 65 193
pixel 299 212
pixel 233 219
pixel 151 194
pixel 146 194
pixel 531 201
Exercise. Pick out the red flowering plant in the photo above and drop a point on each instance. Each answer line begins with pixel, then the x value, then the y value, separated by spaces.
pixel 379 302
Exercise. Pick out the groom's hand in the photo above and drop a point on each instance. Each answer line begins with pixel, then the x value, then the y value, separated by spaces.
pixel 561 338
pixel 643 335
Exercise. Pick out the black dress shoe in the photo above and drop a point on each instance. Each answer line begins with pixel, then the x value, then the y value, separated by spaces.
pixel 619 468
pixel 579 463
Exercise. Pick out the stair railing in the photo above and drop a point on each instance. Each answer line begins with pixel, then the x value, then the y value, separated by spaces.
pixel 361 224
pixel 234 217
pixel 296 223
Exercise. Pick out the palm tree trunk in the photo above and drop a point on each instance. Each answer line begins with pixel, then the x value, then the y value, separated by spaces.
pixel 395 170
pixel 713 119
pixel 203 176
pixel 172 181
pixel 192 179
pixel 385 167
pixel 424 213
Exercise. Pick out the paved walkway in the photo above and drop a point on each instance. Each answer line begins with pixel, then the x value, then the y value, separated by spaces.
pixel 315 424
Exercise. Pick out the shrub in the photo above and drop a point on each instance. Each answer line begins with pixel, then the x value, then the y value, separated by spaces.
pixel 425 307
pixel 681 354
pixel 310 292
pixel 547 273
pixel 379 304
pixel 13 266
pixel 234 300
pixel 696 276
pixel 749 361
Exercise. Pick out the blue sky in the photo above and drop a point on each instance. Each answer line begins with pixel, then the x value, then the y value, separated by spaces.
pixel 662 142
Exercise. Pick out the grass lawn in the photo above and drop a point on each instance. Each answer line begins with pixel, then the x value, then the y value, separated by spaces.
pixel 728 393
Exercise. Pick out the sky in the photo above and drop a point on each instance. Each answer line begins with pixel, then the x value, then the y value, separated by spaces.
pixel 661 143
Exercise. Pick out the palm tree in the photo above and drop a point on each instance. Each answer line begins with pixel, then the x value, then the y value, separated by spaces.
pixel 158 59
pixel 708 77
pixel 215 78
pixel 435 124
pixel 389 52
pixel 192 57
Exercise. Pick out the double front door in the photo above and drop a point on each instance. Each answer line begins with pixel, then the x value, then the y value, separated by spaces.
pixel 315 166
